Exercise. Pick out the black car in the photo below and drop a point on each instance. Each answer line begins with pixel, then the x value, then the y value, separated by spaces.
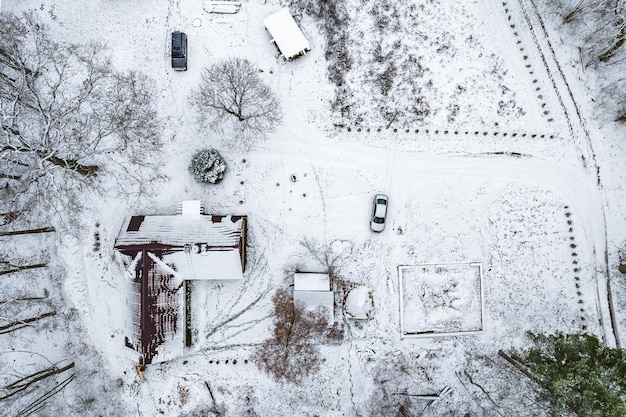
pixel 179 51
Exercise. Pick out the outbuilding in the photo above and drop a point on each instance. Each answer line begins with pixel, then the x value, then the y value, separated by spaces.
pixel 286 34
pixel 313 289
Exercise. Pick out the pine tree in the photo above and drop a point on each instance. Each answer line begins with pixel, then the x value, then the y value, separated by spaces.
pixel 579 374
pixel 207 166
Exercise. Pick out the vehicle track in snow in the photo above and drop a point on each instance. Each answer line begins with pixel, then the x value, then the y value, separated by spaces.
pixel 576 125
pixel 577 128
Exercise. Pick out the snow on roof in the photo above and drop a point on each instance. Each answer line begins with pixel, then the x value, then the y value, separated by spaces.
pixel 191 208
pixel 310 281
pixel 286 34
pixel 315 299
pixel 215 231
pixel 359 303
pixel 212 264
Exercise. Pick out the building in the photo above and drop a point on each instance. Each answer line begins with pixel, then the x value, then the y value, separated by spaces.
pixel 313 289
pixel 160 253
pixel 286 34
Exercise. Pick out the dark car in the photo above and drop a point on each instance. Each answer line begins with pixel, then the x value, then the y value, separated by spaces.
pixel 179 51
pixel 379 213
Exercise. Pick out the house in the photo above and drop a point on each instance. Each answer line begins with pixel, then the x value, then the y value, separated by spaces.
pixel 313 289
pixel 286 34
pixel 161 253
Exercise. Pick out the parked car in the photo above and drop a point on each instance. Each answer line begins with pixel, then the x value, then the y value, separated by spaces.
pixel 379 213
pixel 179 51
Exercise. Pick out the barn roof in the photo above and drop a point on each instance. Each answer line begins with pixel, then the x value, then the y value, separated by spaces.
pixel 215 231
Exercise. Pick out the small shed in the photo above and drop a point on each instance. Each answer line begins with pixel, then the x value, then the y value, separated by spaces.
pixel 313 289
pixel 286 34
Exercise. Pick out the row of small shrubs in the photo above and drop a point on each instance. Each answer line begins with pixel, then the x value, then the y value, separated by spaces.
pixel 452 132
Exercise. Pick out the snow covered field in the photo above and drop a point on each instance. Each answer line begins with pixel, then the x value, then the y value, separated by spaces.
pixel 459 123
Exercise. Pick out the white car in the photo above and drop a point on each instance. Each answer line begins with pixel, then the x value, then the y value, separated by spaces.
pixel 377 224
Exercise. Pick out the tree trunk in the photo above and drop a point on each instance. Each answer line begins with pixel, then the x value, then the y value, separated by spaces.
pixel 16 325
pixel 22 268
pixel 84 170
pixel 516 364
pixel 28 232
pixel 38 403
pixel 25 382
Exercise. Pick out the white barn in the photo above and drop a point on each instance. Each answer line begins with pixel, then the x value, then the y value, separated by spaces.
pixel 286 34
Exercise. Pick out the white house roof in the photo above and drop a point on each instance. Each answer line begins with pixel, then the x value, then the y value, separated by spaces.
pixel 200 247
pixel 286 33
pixel 310 281
pixel 213 264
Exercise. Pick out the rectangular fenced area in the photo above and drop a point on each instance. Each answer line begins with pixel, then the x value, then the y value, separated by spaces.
pixel 441 299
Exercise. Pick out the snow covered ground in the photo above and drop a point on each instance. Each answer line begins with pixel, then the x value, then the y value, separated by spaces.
pixel 498 171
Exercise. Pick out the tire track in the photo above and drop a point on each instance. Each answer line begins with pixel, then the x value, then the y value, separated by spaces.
pixel 580 134
pixel 563 80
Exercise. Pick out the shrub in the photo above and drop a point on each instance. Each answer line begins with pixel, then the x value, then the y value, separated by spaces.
pixel 207 166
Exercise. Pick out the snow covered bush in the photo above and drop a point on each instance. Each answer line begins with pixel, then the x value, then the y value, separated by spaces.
pixel 207 166
pixel 233 97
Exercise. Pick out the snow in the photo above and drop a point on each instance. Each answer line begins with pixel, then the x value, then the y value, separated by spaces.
pixel 180 230
pixel 191 208
pixel 310 281
pixel 286 34
pixel 359 303
pixel 211 264
pixel 441 299
pixel 459 189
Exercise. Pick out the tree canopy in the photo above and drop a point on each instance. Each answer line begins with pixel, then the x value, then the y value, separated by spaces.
pixel 69 119
pixel 579 374
pixel 232 97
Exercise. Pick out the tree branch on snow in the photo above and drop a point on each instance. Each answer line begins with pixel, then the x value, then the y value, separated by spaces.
pixel 68 118
pixel 291 353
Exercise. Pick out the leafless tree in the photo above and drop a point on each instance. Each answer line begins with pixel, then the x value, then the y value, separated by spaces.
pixel 232 97
pixel 291 353
pixel 68 120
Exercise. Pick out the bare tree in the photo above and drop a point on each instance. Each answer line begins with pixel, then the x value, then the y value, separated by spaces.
pixel 68 120
pixel 291 353
pixel 232 97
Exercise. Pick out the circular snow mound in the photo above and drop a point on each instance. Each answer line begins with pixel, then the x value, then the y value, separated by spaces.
pixel 359 303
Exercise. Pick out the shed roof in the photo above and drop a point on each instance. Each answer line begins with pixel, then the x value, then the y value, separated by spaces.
pixel 315 299
pixel 311 281
pixel 286 33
